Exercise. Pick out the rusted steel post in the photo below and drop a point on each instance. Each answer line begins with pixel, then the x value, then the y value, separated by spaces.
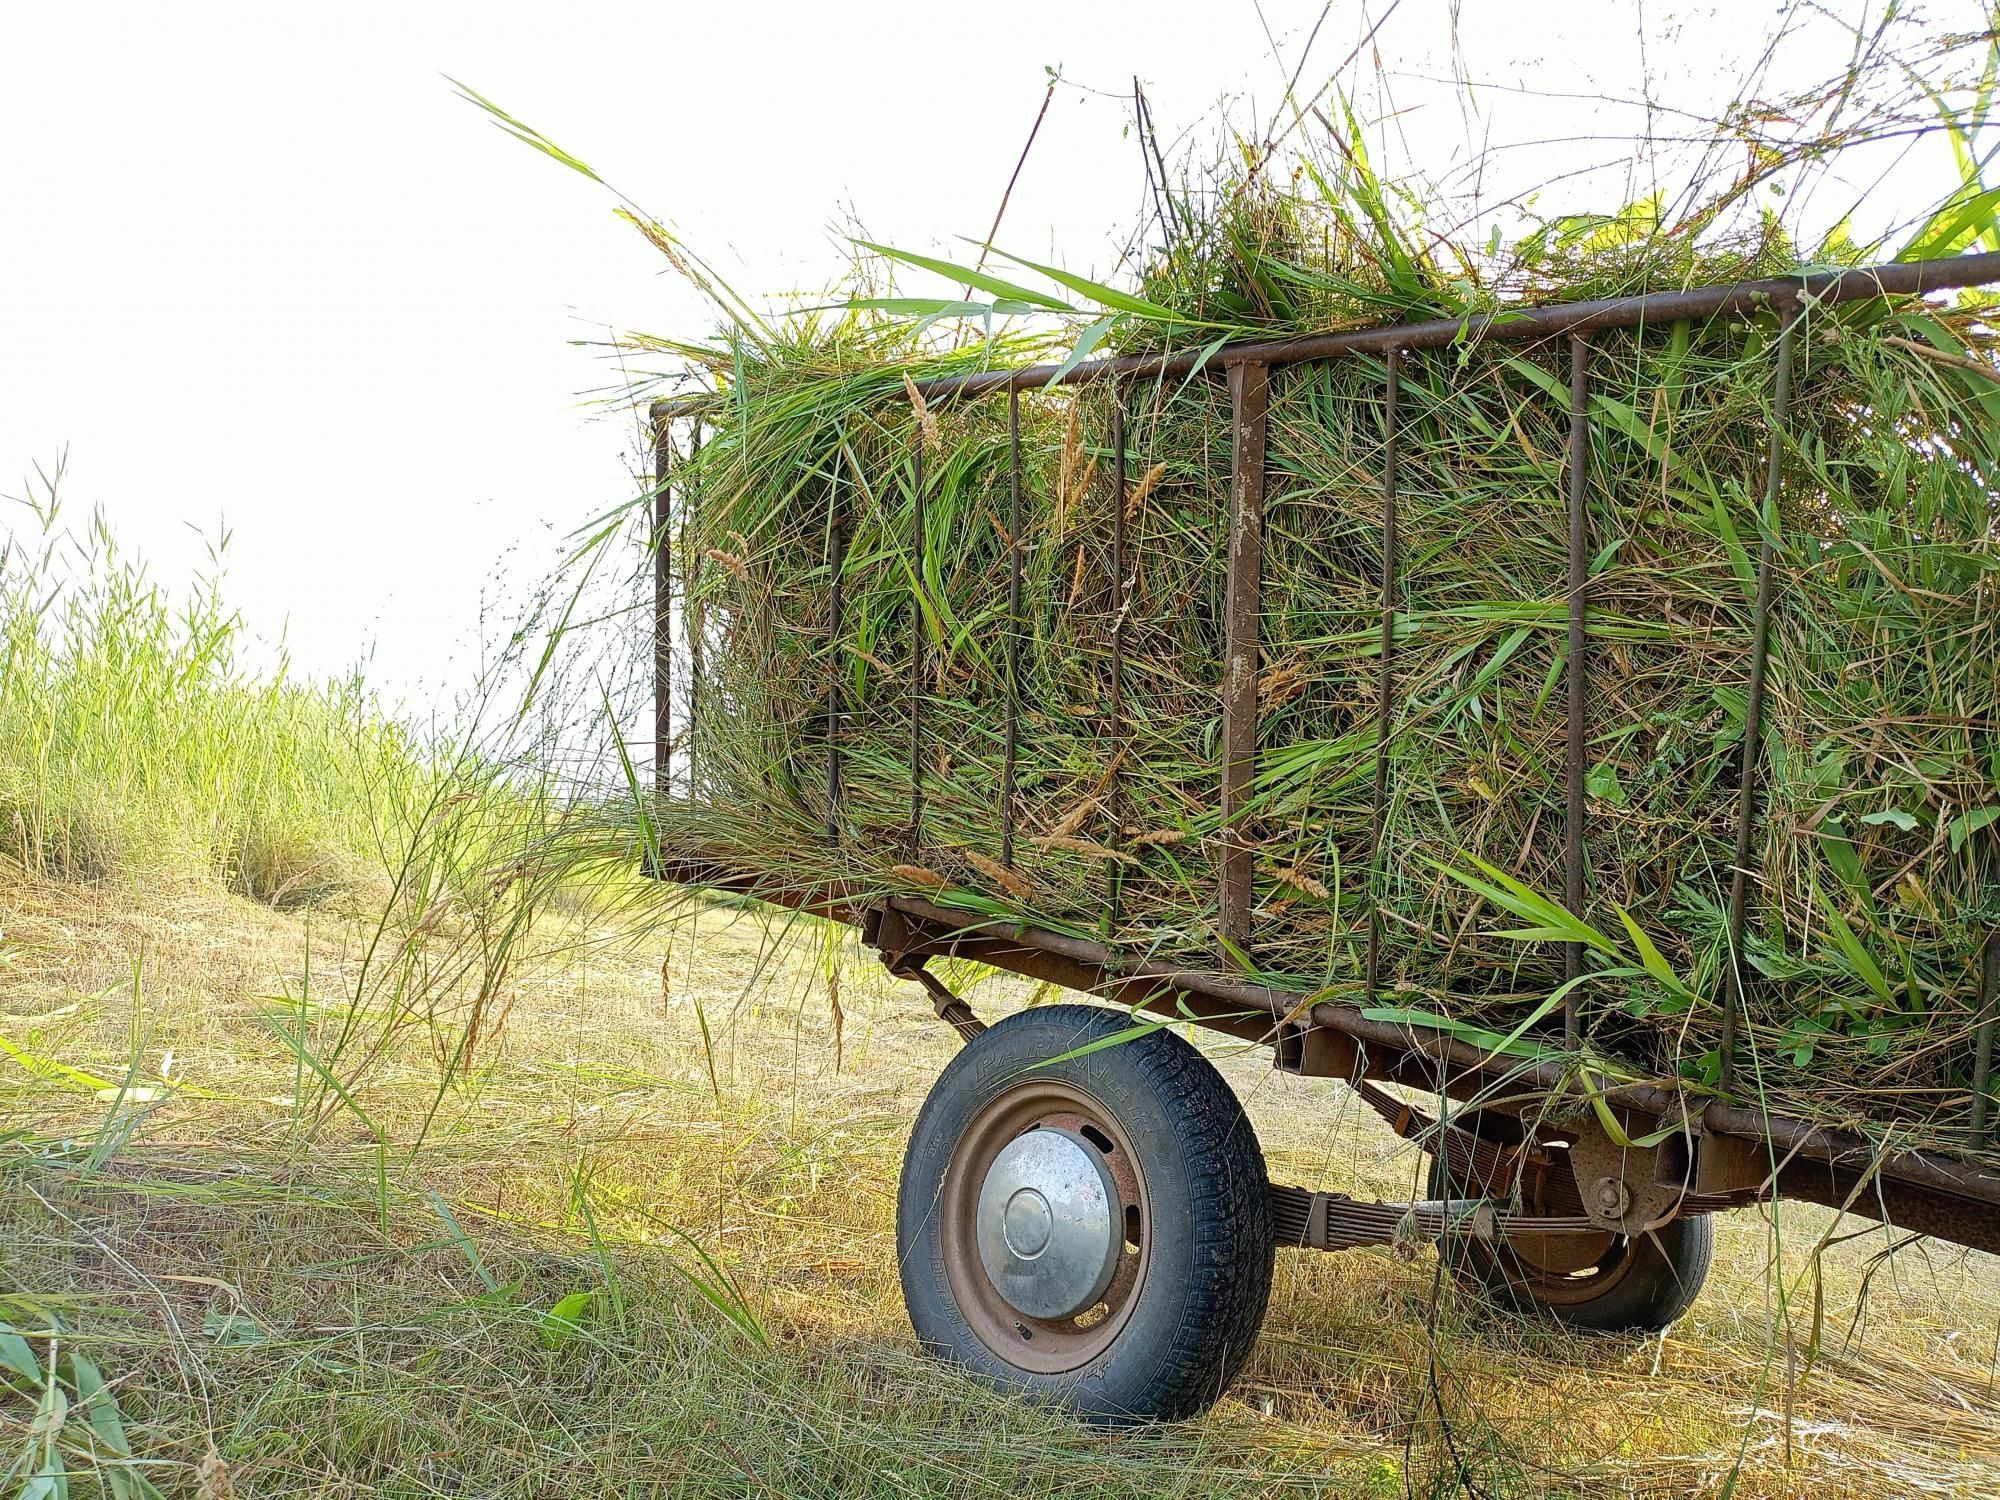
pixel 1385 681
pixel 1753 704
pixel 836 567
pixel 1114 791
pixel 1577 672
pixel 918 663
pixel 1013 726
pixel 1982 1053
pixel 1249 406
pixel 690 624
pixel 663 606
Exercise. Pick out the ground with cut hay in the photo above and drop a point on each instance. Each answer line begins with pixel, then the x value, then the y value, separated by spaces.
pixel 624 1260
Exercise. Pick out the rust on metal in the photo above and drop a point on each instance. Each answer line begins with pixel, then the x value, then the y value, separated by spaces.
pixel 663 605
pixel 1925 1191
pixel 1734 997
pixel 1982 1045
pixel 950 1009
pixel 1918 1189
pixel 836 568
pixel 918 664
pixel 1249 407
pixel 1386 678
pixel 690 622
pixel 1114 790
pixel 1513 324
pixel 1306 1220
pixel 1576 670
pixel 1013 725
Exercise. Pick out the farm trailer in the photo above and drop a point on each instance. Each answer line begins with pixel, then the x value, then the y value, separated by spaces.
pixel 1084 1211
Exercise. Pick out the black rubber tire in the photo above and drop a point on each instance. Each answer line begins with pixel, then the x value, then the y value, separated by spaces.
pixel 1211 1248
pixel 1669 1265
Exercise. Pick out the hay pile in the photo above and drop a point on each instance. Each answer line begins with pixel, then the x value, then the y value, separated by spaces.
pixel 1878 880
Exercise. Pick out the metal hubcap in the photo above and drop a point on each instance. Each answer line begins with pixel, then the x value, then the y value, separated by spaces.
pixel 1048 1224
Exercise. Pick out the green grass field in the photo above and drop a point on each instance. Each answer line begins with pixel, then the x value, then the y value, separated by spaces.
pixel 359 1171
pixel 616 1260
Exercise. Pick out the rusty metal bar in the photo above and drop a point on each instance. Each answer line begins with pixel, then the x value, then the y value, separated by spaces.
pixel 1386 679
pixel 1249 407
pixel 1013 728
pixel 663 605
pixel 836 567
pixel 1734 997
pixel 1517 324
pixel 1576 669
pixel 1982 1053
pixel 948 1007
pixel 918 663
pixel 1114 791
pixel 690 626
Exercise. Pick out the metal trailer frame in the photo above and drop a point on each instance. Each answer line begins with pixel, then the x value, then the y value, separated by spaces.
pixel 1713 1153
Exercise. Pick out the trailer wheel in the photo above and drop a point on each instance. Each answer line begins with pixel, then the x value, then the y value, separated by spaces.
pixel 1093 1229
pixel 1602 1283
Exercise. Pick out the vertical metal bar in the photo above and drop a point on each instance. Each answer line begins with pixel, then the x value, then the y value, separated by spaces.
pixel 918 664
pixel 1385 685
pixel 1013 728
pixel 1249 405
pixel 1114 793
pixel 690 625
pixel 1753 707
pixel 1577 670
pixel 1982 1054
pixel 663 607
pixel 836 567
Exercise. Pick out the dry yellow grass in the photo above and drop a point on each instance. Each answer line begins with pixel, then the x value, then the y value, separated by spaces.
pixel 321 1306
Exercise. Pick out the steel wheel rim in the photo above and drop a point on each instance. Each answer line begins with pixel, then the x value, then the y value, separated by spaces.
pixel 1515 1265
pixel 1042 1346
pixel 1565 1270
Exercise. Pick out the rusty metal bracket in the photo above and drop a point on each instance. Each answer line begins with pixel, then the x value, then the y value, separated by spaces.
pixel 953 1011
pixel 1729 1165
pixel 1314 1051
pixel 1630 1189
pixel 1403 1117
pixel 891 935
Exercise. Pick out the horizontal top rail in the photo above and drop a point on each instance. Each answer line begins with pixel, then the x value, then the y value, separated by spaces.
pixel 1526 323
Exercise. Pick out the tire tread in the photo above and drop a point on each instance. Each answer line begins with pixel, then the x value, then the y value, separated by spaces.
pixel 1233 1242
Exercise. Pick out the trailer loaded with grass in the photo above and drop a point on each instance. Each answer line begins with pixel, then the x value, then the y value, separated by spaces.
pixel 1571 717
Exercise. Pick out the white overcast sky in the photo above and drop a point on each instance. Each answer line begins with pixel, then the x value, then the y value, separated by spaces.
pixel 261 268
